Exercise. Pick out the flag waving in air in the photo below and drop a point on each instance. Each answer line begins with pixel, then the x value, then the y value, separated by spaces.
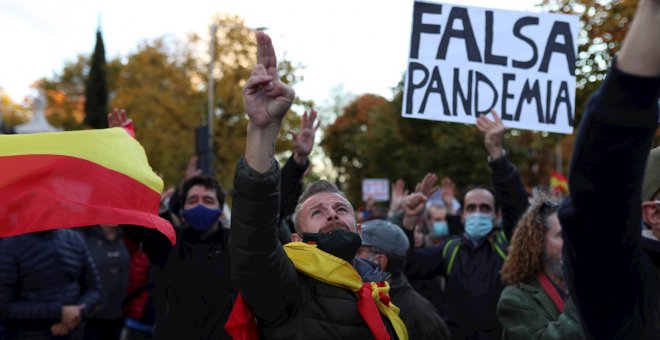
pixel 77 178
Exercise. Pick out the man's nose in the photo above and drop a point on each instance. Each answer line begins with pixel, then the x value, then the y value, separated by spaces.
pixel 332 215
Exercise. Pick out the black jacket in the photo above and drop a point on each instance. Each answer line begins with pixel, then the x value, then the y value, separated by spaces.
pixel 473 286
pixel 420 317
pixel 39 274
pixel 287 304
pixel 192 294
pixel 112 262
pixel 613 281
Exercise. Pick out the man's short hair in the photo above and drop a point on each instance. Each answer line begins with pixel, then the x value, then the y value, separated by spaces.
pixel 206 182
pixel 315 188
pixel 651 184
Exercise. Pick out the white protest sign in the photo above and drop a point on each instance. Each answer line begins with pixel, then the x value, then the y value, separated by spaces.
pixel 378 188
pixel 464 61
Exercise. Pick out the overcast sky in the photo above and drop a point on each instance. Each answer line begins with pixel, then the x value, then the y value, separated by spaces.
pixel 361 45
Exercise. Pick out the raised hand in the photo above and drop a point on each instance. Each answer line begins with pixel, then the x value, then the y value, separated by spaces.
pixel 303 141
pixel 493 131
pixel 427 185
pixel 118 118
pixel 266 98
pixel 398 194
pixel 413 205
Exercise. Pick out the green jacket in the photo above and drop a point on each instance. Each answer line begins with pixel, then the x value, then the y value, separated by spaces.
pixel 527 312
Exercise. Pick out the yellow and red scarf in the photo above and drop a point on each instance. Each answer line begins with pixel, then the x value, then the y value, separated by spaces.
pixel 373 298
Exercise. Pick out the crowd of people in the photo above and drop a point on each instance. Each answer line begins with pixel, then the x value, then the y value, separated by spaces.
pixel 301 263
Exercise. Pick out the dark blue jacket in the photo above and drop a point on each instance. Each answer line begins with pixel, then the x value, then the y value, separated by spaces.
pixel 613 281
pixel 40 273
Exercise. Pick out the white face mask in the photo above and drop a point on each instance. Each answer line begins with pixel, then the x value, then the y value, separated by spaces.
pixel 478 225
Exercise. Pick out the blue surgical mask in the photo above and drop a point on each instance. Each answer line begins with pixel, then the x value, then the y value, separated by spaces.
pixel 440 229
pixel 201 218
pixel 478 225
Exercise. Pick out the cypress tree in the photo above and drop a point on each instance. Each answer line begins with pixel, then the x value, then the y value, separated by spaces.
pixel 96 88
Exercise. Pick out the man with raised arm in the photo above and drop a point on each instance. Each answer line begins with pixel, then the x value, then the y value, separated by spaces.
pixel 313 287
pixel 614 283
pixel 471 261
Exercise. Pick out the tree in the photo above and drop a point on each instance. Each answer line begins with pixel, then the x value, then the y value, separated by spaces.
pixel 96 88
pixel 65 92
pixel 11 113
pixel 156 87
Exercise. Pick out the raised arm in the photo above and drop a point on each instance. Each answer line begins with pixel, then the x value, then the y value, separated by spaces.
pixel 264 274
pixel 508 184
pixel 601 219
pixel 295 167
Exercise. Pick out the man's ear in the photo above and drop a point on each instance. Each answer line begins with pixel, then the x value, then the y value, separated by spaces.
pixel 650 213
pixel 296 238
pixel 359 228
pixel 382 261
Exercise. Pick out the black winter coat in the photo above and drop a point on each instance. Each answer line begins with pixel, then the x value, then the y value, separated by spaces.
pixel 287 304
pixel 192 293
pixel 419 315
pixel 613 279
pixel 39 274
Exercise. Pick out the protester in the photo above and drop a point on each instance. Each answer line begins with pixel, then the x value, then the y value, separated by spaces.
pixel 289 290
pixel 107 248
pixel 435 218
pixel 49 286
pixel 193 294
pixel 536 303
pixel 613 279
pixel 386 244
pixel 472 260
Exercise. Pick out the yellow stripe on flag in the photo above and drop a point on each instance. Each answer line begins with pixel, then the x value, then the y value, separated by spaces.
pixel 111 148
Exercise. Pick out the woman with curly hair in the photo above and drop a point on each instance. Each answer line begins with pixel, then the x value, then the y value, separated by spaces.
pixel 535 304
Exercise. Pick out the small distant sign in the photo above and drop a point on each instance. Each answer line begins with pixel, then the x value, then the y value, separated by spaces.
pixel 378 188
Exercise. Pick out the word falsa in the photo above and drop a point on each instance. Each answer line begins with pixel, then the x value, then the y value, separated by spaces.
pixel 465 61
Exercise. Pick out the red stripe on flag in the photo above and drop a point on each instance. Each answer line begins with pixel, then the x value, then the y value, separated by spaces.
pixel 43 192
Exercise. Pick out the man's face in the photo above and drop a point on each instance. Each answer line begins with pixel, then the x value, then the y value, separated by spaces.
pixel 198 194
pixel 368 253
pixel 325 212
pixel 479 201
pixel 435 214
pixel 552 254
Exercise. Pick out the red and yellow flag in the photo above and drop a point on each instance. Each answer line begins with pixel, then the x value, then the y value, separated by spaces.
pixel 558 183
pixel 77 178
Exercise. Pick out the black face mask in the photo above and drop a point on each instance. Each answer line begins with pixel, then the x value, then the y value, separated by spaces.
pixel 340 243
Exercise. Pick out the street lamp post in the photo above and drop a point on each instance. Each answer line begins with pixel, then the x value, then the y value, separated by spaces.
pixel 204 135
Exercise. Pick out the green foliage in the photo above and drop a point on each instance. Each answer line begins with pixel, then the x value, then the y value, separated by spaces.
pixel 96 88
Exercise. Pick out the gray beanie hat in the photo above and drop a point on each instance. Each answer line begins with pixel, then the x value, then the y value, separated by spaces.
pixel 386 236
pixel 651 175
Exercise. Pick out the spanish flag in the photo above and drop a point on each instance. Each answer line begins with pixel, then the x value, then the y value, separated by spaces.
pixel 558 183
pixel 77 178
